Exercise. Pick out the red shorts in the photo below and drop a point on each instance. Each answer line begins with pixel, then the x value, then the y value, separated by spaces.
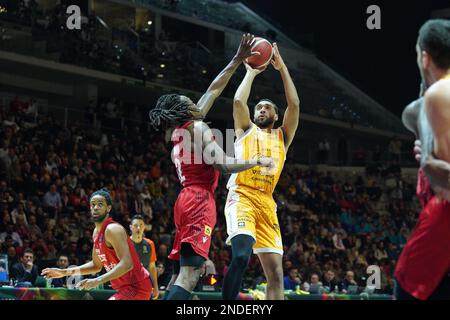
pixel 195 218
pixel 138 291
pixel 425 259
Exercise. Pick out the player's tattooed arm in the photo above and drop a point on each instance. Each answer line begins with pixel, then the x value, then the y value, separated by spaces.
pixel 220 82
pixel 214 155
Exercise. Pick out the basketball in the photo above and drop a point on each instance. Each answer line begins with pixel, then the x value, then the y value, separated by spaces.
pixel 264 47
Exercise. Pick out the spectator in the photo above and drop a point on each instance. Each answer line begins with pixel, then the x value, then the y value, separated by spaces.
pixel 337 241
pixel 25 272
pixel 62 263
pixel 292 280
pixel 329 281
pixel 52 201
pixel 314 285
pixel 32 111
pixel 12 256
pixel 348 281
pixel 11 233
pixel 380 252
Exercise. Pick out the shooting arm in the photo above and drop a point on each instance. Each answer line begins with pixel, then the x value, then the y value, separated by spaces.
pixel 292 113
pixel 241 113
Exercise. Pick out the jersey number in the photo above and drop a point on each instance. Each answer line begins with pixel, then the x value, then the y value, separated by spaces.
pixel 177 162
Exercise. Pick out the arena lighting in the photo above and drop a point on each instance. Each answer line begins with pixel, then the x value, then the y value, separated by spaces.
pixel 160 75
pixel 204 71
pixel 162 65
pixel 3 10
pixel 149 22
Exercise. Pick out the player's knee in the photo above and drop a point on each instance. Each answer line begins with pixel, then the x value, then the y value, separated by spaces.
pixel 241 259
pixel 189 277
pixel 242 246
pixel 275 276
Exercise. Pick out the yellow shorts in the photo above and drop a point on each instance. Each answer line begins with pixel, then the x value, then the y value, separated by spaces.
pixel 254 213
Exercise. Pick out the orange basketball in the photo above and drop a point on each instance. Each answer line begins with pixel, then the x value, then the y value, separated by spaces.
pixel 265 49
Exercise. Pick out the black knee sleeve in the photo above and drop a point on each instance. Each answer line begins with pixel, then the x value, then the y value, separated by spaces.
pixel 176 267
pixel 242 246
pixel 189 258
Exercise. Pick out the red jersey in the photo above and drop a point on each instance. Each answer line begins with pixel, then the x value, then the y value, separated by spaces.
pixel 109 259
pixel 197 172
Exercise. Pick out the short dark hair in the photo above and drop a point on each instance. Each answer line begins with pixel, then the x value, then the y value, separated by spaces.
pixel 27 251
pixel 137 217
pixel 104 193
pixel 275 107
pixel 434 38
pixel 170 111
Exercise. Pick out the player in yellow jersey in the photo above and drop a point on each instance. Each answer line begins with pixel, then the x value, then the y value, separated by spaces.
pixel 250 210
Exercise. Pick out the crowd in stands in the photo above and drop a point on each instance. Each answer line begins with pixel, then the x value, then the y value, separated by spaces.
pixel 334 225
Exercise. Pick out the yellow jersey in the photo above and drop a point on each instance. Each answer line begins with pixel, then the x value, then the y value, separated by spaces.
pixel 253 144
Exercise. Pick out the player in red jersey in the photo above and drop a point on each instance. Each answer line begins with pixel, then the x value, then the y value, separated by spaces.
pixel 195 208
pixel 112 250
pixel 423 268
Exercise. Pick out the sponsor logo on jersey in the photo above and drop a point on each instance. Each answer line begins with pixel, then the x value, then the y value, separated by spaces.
pixel 241 224
pixel 208 230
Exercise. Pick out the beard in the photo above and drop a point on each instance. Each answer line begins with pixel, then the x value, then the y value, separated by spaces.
pixel 264 123
pixel 99 218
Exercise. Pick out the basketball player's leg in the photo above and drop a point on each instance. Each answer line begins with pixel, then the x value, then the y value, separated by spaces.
pixel 175 273
pixel 272 264
pixel 195 237
pixel 269 248
pixel 239 214
pixel 190 270
pixel 242 247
